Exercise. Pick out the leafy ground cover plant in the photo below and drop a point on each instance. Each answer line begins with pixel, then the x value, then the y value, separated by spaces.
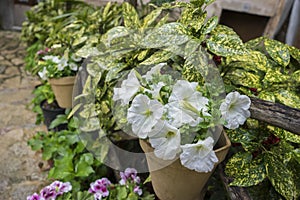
pixel 128 188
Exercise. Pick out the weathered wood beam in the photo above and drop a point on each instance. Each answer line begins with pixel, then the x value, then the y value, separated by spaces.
pixel 276 114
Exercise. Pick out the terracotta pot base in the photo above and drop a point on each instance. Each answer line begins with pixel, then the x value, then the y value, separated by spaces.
pixel 63 90
pixel 176 182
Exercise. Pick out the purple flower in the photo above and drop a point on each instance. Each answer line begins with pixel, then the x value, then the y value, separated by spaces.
pixel 99 188
pixel 61 187
pixel 138 190
pixel 48 193
pixel 129 174
pixel 35 196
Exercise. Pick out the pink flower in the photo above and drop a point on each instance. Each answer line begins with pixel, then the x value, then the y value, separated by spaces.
pixel 138 190
pixel 35 196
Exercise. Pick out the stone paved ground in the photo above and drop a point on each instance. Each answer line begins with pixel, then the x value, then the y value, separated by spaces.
pixel 19 172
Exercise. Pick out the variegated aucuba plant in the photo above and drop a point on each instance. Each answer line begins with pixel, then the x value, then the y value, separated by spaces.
pixel 263 68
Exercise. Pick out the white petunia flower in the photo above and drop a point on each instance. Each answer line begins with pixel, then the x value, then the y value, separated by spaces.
pixel 235 109
pixel 54 59
pixel 43 74
pixel 73 66
pixel 62 64
pixel 143 115
pixel 154 70
pixel 185 104
pixel 129 88
pixel 200 156
pixel 156 89
pixel 166 141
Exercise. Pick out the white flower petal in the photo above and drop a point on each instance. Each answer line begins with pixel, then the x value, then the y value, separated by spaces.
pixel 166 142
pixel 43 74
pixel 129 88
pixel 154 70
pixel 144 114
pixel 186 103
pixel 156 89
pixel 235 109
pixel 200 156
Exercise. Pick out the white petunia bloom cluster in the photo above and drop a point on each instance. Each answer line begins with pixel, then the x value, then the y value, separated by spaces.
pixel 160 109
pixel 50 61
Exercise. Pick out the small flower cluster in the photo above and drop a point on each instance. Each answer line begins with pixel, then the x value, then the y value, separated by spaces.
pixel 52 191
pixel 51 65
pixel 129 176
pixel 100 189
pixel 129 179
pixel 162 109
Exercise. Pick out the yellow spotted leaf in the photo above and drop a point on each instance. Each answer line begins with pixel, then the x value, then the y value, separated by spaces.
pixel 278 51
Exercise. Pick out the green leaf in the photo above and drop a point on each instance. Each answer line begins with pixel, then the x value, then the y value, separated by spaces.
pixel 254 43
pixel 245 170
pixel 106 10
pixel 122 193
pixel 255 59
pixel 63 167
pixel 60 119
pixel 151 17
pixel 79 40
pixel 209 25
pixel 171 34
pixel 83 168
pixel 278 51
pixel 244 78
pixel 131 17
pixel 296 155
pixel 35 144
pixel 280 176
pixel 275 76
pixel 225 42
pixel 157 57
pixel 245 137
pixel 288 98
pixel 268 96
pixel 294 52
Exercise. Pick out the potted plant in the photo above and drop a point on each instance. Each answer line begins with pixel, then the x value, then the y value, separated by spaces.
pixel 252 68
pixel 59 66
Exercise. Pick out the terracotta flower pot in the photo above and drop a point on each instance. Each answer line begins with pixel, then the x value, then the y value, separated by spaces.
pixel 63 90
pixel 176 182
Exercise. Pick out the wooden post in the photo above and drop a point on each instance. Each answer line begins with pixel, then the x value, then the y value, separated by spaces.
pixel 276 114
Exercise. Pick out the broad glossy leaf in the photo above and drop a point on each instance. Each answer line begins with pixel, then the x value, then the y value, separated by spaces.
pixel 246 172
pixel 268 96
pixel 151 17
pixel 130 15
pixel 275 76
pixel 285 135
pixel 254 43
pixel 245 137
pixel 254 58
pixel 294 52
pixel 157 57
pixel 209 25
pixel 225 42
pixel 278 51
pixel 171 34
pixel 280 176
pixel 288 98
pixel 244 78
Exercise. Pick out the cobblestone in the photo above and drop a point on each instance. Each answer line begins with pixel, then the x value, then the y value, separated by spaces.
pixel 20 174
